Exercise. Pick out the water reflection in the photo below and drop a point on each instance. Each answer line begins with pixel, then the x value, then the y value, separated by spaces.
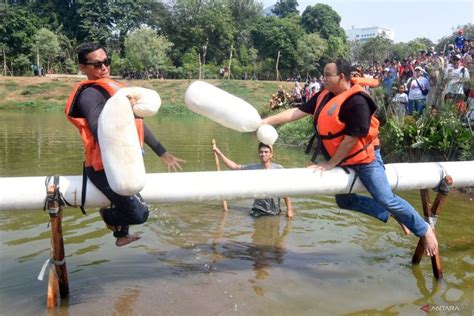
pixel 267 244
pixel 197 259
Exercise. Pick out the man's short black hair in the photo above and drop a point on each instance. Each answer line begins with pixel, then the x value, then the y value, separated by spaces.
pixel 262 145
pixel 85 49
pixel 344 67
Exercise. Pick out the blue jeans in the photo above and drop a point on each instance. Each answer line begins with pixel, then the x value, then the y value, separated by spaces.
pixel 384 201
pixel 417 105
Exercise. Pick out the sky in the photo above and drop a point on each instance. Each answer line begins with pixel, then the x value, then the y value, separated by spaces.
pixel 409 19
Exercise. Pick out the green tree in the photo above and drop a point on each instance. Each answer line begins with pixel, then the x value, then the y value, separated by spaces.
pixel 323 19
pixel 284 8
pixel 355 49
pixel 126 16
pixel 17 27
pixel 47 13
pixel 401 51
pixel 205 25
pixel 377 48
pixel 147 51
pixel 95 21
pixel 244 12
pixel 272 35
pixel 311 48
pixel 336 48
pixel 419 44
pixel 46 46
pixel 190 62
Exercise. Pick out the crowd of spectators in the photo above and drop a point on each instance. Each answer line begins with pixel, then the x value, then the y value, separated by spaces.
pixel 417 82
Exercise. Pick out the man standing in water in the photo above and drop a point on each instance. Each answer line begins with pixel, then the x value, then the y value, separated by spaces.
pixel 83 108
pixel 348 136
pixel 261 207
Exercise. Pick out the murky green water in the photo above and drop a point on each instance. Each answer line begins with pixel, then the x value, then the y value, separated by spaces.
pixel 195 260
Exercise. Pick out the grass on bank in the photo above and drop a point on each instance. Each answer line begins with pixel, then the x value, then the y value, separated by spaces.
pixel 50 94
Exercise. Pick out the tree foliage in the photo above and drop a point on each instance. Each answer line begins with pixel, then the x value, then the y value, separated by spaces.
pixel 272 35
pixel 199 30
pixel 377 48
pixel 46 45
pixel 147 51
pixel 284 8
pixel 311 48
pixel 321 18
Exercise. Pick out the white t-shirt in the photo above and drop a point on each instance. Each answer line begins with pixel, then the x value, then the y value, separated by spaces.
pixel 455 85
pixel 400 98
pixel 415 91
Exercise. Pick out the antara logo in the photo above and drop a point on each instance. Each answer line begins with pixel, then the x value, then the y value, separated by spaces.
pixel 426 308
pixel 439 308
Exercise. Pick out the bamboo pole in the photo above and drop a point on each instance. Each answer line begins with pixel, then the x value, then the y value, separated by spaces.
pixel 214 146
pixel 57 279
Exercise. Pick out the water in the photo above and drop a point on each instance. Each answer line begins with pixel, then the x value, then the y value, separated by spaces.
pixel 195 259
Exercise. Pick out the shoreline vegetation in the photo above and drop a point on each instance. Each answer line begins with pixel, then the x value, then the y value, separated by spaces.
pixel 424 139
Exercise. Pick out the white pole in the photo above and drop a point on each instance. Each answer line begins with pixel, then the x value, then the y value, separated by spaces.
pixel 30 192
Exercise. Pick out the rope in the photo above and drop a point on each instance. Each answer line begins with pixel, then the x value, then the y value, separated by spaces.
pixel 49 264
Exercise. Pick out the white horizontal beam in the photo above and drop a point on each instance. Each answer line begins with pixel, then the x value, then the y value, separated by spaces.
pixel 19 193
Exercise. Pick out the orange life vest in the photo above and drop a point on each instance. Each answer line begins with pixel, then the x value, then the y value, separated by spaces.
pixel 330 128
pixel 364 81
pixel 92 150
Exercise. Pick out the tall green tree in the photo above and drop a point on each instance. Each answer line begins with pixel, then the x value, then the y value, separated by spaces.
pixel 336 48
pixel 17 28
pixel 95 21
pixel 311 48
pixel 272 35
pixel 147 51
pixel 323 19
pixel 284 8
pixel 205 25
pixel 126 16
pixel 377 48
pixel 244 11
pixel 46 46
pixel 419 44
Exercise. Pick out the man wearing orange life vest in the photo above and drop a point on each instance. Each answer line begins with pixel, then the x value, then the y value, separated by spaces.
pixel 347 129
pixel 84 106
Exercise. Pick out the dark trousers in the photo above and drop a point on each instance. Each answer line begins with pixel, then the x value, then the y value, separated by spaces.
pixel 125 210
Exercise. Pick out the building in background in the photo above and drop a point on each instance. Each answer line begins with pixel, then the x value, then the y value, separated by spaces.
pixel 365 33
pixel 268 10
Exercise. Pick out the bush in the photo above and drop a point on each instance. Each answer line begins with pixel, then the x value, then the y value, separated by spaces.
pixel 296 133
pixel 441 136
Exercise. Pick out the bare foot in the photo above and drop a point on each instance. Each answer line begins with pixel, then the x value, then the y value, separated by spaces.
pixel 405 229
pixel 111 227
pixel 122 241
pixel 430 242
pixel 289 214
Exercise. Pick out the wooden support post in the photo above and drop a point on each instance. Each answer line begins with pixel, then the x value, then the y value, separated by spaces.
pixel 59 278
pixel 431 213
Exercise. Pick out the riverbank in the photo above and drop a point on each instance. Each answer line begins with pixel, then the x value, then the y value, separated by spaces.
pixel 51 92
